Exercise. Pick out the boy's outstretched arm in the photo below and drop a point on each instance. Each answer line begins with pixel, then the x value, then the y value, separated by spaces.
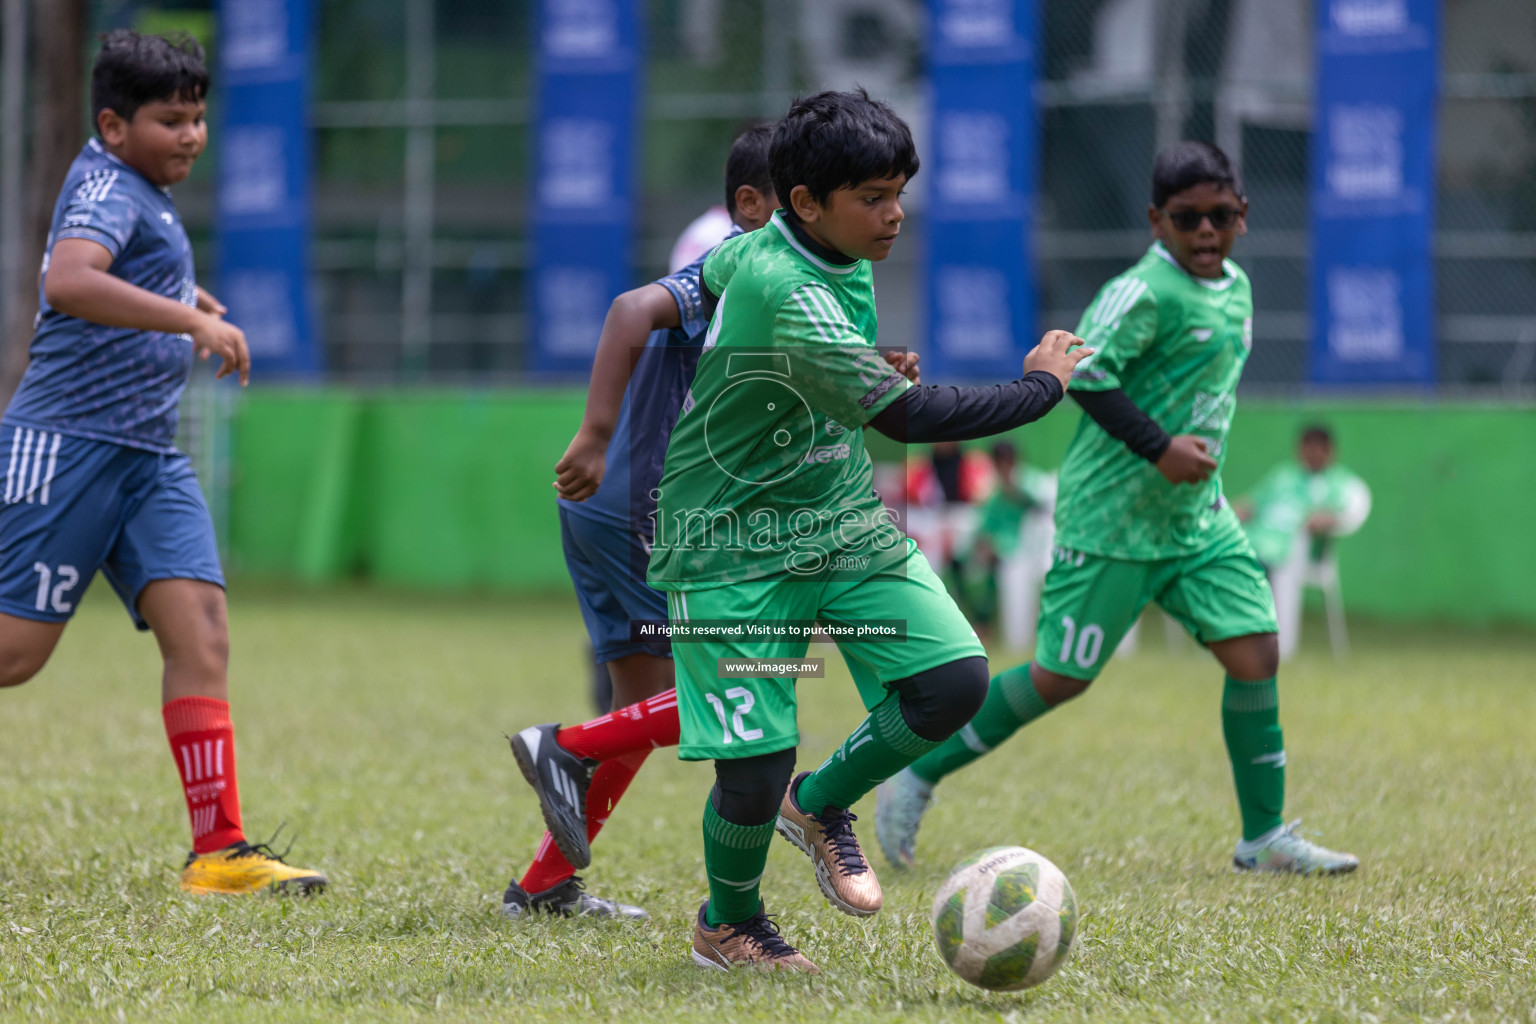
pixel 927 414
pixel 631 318
pixel 78 284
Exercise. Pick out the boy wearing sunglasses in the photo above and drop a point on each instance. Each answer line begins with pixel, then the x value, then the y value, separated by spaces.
pixel 1141 515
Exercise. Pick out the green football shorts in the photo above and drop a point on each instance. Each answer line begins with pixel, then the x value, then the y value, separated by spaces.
pixel 1089 602
pixel 742 716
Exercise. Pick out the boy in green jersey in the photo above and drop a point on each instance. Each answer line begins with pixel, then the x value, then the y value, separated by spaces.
pixel 1312 494
pixel 1293 518
pixel 767 521
pixel 1140 515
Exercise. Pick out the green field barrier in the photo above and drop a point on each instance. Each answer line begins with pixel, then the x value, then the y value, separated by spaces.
pixel 452 490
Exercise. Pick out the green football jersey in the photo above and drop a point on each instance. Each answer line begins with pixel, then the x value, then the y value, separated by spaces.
pixel 766 473
pixel 1176 344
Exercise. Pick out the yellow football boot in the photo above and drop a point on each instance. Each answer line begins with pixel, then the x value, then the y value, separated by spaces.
pixel 244 868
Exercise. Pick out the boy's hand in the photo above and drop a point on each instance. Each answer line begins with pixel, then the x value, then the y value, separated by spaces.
pixel 1186 461
pixel 905 364
pixel 215 337
pixel 210 305
pixel 1058 354
pixel 1321 524
pixel 580 469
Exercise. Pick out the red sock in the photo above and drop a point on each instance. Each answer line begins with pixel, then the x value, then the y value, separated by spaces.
pixel 644 726
pixel 609 781
pixel 203 744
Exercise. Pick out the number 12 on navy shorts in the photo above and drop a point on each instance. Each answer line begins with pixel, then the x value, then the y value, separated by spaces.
pixel 74 505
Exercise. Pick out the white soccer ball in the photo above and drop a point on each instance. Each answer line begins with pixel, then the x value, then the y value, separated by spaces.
pixel 1005 919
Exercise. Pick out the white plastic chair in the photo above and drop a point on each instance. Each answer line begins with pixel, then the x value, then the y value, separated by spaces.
pixel 1301 570
pixel 1020 576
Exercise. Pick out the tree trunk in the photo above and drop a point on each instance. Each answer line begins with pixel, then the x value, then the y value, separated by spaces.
pixel 57 104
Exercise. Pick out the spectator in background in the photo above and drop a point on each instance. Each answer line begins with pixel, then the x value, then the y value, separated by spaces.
pixel 1312 499
pixel 999 535
pixel 941 490
pixel 709 228
pixel 706 231
pixel 1292 518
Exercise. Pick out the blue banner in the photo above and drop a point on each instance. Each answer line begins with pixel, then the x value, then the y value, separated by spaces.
pixel 584 220
pixel 1373 192
pixel 263 204
pixel 980 294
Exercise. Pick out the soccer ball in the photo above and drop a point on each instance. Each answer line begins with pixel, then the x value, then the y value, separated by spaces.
pixel 1005 919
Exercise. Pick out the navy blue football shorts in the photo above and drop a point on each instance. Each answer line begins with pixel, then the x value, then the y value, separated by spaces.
pixel 607 563
pixel 73 506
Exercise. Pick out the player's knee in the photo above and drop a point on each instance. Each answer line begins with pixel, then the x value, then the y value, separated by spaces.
pixel 748 790
pixel 1055 688
pixel 937 702
pixel 201 640
pixel 16 667
pixel 1252 657
pixel 200 655
pixel 1264 653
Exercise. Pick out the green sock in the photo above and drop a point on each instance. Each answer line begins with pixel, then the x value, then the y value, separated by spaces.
pixel 1250 721
pixel 879 748
pixel 734 858
pixel 1011 704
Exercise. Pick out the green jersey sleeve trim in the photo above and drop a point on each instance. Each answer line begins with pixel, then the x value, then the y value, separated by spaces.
pixel 812 314
pixel 1120 324
pixel 837 369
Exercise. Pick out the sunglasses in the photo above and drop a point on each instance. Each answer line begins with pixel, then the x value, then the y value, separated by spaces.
pixel 1222 218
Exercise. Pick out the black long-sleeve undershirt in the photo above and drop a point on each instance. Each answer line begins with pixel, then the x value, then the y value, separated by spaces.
pixel 938 413
pixel 1123 420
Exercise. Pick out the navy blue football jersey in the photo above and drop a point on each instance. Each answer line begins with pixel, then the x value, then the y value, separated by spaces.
pixel 89 380
pixel 652 402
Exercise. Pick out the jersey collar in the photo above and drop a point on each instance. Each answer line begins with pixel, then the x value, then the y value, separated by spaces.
pixel 803 245
pixel 1219 284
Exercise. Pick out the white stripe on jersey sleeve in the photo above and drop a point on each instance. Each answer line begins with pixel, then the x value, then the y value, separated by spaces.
pixel 1107 298
pixel 107 181
pixel 1118 298
pixel 1132 296
pixel 822 296
pixel 823 313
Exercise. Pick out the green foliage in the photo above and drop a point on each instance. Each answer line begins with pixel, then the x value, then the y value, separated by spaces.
pixel 372 724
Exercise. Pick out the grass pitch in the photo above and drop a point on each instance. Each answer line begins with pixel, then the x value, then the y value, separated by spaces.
pixel 373 726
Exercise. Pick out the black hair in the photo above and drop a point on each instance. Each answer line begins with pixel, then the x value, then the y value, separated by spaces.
pixel 132 70
pixel 748 163
pixel 1186 164
pixel 1317 432
pixel 836 140
pixel 1004 450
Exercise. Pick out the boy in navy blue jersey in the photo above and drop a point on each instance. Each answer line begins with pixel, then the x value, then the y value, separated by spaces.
pixel 93 479
pixel 640 375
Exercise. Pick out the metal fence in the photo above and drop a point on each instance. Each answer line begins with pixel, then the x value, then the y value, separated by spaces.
pixel 423 111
